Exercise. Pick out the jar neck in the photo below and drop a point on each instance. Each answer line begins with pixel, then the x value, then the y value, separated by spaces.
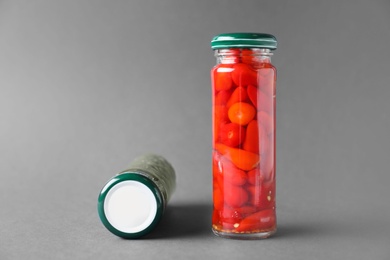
pixel 236 55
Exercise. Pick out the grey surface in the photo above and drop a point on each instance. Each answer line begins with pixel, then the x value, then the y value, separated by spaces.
pixel 86 86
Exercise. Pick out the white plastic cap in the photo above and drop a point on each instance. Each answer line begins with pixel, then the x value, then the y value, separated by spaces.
pixel 130 206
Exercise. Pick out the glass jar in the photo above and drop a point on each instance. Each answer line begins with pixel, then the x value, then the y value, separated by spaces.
pixel 132 203
pixel 243 156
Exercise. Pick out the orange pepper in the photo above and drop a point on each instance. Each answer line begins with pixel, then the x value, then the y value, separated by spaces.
pixel 238 95
pixel 242 159
pixel 251 142
pixel 241 113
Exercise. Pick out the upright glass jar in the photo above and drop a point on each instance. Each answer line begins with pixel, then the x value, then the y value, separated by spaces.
pixel 243 156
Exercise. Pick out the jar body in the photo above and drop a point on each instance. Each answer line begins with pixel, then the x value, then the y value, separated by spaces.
pixel 158 170
pixel 243 156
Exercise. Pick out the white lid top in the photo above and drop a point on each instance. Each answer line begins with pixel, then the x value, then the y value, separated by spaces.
pixel 130 206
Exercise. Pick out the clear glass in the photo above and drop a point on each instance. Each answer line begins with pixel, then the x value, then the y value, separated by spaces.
pixel 243 156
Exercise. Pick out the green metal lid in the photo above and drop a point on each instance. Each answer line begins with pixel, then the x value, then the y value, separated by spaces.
pixel 130 205
pixel 244 40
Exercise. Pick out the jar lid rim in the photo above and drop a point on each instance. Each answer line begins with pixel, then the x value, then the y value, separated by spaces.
pixel 136 178
pixel 244 40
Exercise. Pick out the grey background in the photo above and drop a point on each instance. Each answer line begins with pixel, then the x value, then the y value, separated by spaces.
pixel 86 86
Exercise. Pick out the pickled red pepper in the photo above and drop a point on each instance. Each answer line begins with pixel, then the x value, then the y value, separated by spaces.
pixel 243 157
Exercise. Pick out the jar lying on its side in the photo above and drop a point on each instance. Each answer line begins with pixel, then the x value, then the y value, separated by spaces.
pixel 132 203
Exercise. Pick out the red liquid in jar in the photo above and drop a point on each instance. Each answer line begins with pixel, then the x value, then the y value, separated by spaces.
pixel 244 144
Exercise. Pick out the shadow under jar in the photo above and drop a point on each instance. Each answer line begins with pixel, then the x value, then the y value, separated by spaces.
pixel 243 156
